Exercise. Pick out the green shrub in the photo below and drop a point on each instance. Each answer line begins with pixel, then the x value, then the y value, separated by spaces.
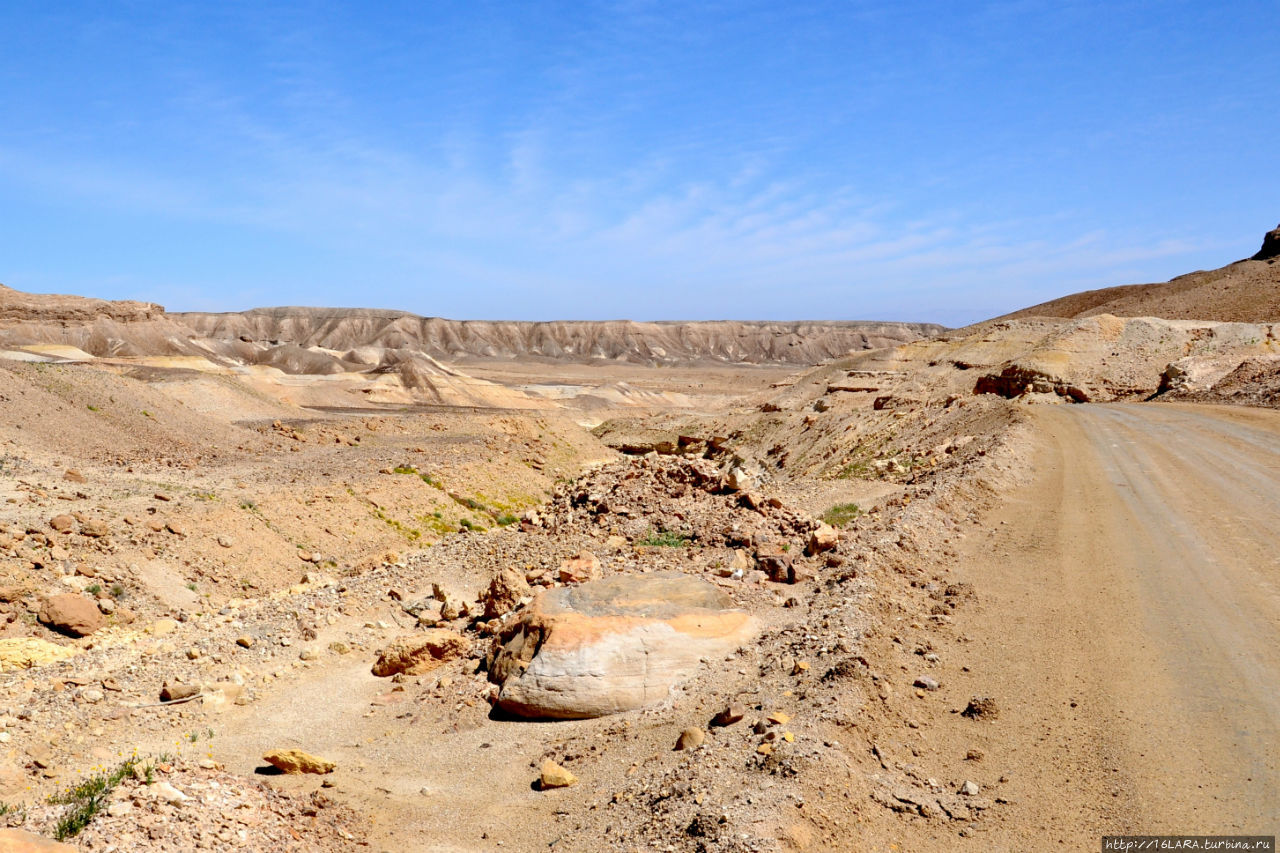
pixel 841 514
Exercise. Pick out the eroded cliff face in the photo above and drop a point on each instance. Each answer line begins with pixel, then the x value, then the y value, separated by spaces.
pixel 615 340
pixel 16 306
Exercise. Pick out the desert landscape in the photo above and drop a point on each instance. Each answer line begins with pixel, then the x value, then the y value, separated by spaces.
pixel 345 579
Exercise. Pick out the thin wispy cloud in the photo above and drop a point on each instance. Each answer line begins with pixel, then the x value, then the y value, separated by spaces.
pixel 619 160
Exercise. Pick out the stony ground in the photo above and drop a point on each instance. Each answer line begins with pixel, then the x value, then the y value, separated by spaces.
pixel 183 591
pixel 255 569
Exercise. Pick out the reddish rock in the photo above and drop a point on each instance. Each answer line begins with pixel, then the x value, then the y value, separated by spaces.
pixel 62 523
pixel 584 567
pixel 71 614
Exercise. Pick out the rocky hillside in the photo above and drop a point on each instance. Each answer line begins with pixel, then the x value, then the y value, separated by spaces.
pixel 345 329
pixel 1247 291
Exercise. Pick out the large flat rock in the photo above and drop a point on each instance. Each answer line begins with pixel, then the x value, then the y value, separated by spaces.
pixel 613 645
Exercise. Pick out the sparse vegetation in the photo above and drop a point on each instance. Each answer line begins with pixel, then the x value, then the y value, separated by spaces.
pixel 841 514
pixel 89 797
pixel 93 588
pixel 665 539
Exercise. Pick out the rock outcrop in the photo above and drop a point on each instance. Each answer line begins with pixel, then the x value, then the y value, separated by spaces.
pixel 612 645
pixel 1270 246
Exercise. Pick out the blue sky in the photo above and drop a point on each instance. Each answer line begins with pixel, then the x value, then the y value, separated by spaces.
pixel 538 160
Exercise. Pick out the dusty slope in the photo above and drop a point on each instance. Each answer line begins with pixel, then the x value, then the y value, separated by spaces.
pixel 342 329
pixel 1247 291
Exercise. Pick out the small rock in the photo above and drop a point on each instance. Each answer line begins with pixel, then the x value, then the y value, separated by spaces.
pixel 730 715
pixel 62 523
pixel 226 541
pixel 244 641
pixel 690 738
pixel 974 755
pixel 95 528
pixel 927 682
pixel 981 708
pixel 824 538
pixel 552 775
pixel 92 696
pixel 581 568
pixel 970 789
pixel 72 475
pixel 120 808
pixel 166 792
pixel 504 593
pixel 297 761
pixel 174 692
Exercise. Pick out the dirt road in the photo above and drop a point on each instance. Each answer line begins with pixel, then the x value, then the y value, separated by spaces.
pixel 1130 626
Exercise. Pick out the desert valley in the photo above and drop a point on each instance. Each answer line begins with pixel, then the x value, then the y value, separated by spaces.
pixel 343 579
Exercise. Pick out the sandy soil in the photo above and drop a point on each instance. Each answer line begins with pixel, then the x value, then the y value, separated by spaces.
pixel 1129 625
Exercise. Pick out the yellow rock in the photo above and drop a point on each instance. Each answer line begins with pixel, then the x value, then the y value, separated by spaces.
pixel 30 652
pixel 780 718
pixel 552 775
pixel 297 761
pixel 765 749
pixel 160 627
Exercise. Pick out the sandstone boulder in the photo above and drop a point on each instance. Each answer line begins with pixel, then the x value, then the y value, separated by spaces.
pixel 584 567
pixel 504 593
pixel 612 645
pixel 297 761
pixel 71 614
pixel 62 523
pixel 415 654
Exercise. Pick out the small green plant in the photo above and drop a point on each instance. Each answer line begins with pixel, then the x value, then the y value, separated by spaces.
pixel 250 506
pixel 92 407
pixel 467 523
pixel 93 588
pixel 90 797
pixel 661 538
pixel 841 514
pixel 147 414
pixel 405 469
pixel 118 591
pixel 505 519
pixel 6 809
pixel 191 585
